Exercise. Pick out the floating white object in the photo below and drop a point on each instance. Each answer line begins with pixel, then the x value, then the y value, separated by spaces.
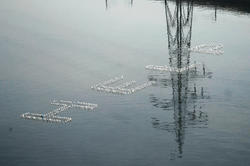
pixel 215 49
pixel 170 69
pixel 121 89
pixel 64 105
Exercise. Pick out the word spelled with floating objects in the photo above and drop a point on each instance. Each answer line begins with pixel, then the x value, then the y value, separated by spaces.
pixel 122 89
pixel 166 68
pixel 208 49
pixel 64 105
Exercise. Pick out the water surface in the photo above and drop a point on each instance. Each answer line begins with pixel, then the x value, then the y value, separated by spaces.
pixel 57 49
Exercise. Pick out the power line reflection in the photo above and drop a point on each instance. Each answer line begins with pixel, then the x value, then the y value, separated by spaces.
pixel 187 94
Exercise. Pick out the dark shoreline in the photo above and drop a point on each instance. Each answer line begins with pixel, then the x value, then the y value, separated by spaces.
pixel 239 6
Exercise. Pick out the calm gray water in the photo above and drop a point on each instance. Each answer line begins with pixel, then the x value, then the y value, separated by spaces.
pixel 57 49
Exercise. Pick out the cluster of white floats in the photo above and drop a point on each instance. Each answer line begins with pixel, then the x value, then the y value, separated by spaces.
pixel 64 105
pixel 166 68
pixel 215 49
pixel 122 89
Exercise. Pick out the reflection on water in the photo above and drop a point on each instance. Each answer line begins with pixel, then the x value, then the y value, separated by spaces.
pixel 59 50
pixel 107 3
pixel 228 5
pixel 186 94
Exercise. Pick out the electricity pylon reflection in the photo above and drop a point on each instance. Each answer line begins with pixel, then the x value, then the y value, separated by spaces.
pixel 185 92
pixel 131 2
